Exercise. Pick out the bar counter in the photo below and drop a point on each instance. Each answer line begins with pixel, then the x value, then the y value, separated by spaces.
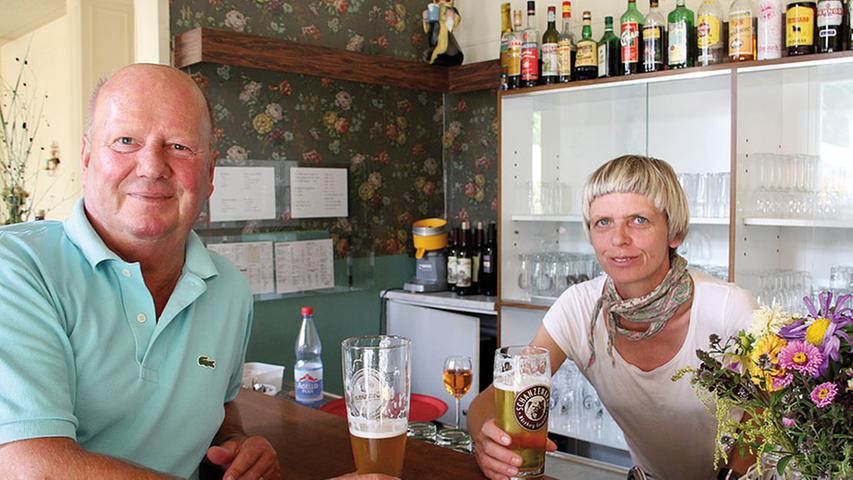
pixel 314 445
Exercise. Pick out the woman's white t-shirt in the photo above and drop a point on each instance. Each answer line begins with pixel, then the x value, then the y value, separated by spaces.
pixel 668 431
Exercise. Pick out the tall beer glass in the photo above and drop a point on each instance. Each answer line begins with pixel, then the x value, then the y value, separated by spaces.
pixel 377 383
pixel 522 395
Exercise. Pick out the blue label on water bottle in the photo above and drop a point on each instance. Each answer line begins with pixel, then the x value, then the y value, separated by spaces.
pixel 309 385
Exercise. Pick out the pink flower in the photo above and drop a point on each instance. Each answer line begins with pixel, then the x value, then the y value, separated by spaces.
pixel 788 422
pixel 823 394
pixel 780 382
pixel 801 356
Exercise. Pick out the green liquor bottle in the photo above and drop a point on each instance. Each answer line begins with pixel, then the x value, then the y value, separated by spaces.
pixel 550 39
pixel 608 51
pixel 681 36
pixel 632 46
pixel 586 67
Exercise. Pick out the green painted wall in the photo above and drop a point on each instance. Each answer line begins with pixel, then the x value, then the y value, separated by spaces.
pixel 338 316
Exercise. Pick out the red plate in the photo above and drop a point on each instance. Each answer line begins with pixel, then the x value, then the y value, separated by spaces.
pixel 422 408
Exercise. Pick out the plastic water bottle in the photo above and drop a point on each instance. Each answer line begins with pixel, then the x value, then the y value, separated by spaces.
pixel 308 370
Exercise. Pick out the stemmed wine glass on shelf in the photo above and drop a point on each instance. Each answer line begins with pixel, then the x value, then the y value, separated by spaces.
pixel 458 376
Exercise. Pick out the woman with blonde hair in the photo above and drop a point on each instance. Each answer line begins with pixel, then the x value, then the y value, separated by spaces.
pixel 630 329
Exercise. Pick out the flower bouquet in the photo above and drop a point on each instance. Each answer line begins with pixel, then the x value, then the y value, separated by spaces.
pixel 793 378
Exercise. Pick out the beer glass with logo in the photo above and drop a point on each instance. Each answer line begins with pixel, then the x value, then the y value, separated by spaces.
pixel 522 396
pixel 377 383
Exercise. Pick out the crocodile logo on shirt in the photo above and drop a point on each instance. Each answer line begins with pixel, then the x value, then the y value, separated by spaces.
pixel 205 361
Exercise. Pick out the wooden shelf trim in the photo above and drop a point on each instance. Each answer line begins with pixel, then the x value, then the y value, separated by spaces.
pixel 211 45
pixel 798 61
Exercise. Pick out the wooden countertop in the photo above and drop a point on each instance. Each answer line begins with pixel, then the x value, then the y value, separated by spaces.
pixel 315 445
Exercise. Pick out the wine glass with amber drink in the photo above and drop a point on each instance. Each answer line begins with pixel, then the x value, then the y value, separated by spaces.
pixel 457 378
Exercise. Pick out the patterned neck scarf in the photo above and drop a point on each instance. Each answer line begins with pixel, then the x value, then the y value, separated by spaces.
pixel 654 309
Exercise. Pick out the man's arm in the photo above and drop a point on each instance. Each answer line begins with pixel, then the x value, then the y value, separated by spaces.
pixel 240 456
pixel 60 457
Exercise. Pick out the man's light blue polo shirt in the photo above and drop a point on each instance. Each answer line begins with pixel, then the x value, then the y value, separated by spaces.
pixel 81 355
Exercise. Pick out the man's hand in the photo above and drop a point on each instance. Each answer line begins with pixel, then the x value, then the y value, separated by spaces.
pixel 246 458
pixel 495 458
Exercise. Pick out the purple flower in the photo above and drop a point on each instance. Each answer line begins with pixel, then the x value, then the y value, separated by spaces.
pixel 801 356
pixel 823 394
pixel 824 328
pixel 788 422
pixel 781 382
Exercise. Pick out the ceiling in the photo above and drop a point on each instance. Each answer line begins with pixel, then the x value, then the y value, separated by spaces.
pixel 22 16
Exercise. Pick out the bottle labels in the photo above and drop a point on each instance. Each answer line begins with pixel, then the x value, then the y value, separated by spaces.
pixel 514 58
pixel 830 14
pixel 708 31
pixel 630 40
pixel 652 45
pixel 564 58
pixel 799 28
pixel 475 269
pixel 769 29
pixel 309 385
pixel 529 62
pixel 504 56
pixel 451 270
pixel 740 33
pixel 549 59
pixel 602 60
pixel 678 42
pixel 487 264
pixel 587 53
pixel 463 272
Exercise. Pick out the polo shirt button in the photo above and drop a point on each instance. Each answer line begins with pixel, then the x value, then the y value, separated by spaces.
pixel 125 272
pixel 141 318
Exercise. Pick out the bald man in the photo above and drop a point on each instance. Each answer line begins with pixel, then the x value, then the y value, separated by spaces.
pixel 123 338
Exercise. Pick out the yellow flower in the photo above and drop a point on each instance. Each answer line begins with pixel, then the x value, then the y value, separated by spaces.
pixel 480 179
pixel 329 118
pixel 401 139
pixel 769 345
pixel 402 122
pixel 402 235
pixel 365 191
pixel 816 331
pixel 262 123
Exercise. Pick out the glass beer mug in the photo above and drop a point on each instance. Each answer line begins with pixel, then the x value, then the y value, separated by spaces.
pixel 522 396
pixel 377 384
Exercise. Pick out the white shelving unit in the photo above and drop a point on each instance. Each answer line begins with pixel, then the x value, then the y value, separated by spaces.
pixel 796 222
pixel 579 219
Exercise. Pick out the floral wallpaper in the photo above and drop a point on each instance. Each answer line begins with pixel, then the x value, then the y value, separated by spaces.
pixel 470 143
pixel 387 27
pixel 401 146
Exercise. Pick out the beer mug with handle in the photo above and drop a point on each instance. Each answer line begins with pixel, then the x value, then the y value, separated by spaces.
pixel 377 384
pixel 522 396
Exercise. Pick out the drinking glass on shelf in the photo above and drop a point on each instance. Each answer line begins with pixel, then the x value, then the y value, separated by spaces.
pixel 457 375
pixel 524 274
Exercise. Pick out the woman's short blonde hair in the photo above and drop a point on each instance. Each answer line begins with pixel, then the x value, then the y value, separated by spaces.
pixel 644 175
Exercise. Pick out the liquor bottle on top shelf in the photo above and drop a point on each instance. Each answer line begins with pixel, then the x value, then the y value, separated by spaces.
pixel 514 53
pixel 566 52
pixel 489 263
pixel 632 45
pixel 506 36
pixel 681 37
pixel 452 257
pixel 530 49
pixel 609 51
pixel 769 29
pixel 709 33
pixel 550 39
pixel 464 262
pixel 654 38
pixel 800 27
pixel 586 66
pixel 477 257
pixel 830 19
pixel 741 33
pixel 850 24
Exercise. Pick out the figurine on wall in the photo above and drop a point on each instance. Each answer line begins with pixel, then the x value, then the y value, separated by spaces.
pixel 439 19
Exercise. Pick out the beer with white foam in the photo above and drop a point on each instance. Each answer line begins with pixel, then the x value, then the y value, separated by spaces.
pixel 522 397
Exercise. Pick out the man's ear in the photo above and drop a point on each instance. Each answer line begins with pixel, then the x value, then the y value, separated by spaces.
pixel 210 174
pixel 85 152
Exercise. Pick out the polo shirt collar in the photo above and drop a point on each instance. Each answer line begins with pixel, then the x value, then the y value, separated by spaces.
pixel 80 231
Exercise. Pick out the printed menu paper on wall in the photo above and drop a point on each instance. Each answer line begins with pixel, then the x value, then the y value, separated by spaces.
pixel 304 265
pixel 318 192
pixel 253 259
pixel 243 193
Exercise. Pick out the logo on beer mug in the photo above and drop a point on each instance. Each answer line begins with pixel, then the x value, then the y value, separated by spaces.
pixel 369 394
pixel 531 407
